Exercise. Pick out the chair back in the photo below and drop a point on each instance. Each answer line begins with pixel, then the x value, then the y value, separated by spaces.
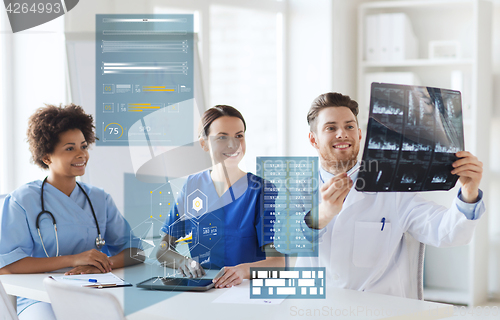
pixel 416 252
pixel 420 272
pixel 7 311
pixel 2 199
pixel 77 303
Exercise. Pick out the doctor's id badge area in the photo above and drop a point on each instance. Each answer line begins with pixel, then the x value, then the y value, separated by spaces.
pixel 290 196
pixel 144 79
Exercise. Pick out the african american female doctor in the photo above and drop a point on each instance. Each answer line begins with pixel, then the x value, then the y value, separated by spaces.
pixel 59 223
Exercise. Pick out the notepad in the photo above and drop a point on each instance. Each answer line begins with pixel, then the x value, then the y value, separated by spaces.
pixel 95 280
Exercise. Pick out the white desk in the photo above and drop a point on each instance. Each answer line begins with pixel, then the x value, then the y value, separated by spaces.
pixel 146 304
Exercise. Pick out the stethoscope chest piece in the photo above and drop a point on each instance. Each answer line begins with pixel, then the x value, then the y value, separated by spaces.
pixel 99 242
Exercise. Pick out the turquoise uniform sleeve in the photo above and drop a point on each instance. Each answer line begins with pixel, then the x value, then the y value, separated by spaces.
pixel 14 242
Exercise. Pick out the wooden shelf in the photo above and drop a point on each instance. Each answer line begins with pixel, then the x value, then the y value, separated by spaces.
pixel 412 4
pixel 417 63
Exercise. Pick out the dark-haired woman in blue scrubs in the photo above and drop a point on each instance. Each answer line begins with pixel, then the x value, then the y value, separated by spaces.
pixel 219 212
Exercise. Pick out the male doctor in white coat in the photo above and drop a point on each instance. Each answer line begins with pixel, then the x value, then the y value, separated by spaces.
pixel 361 234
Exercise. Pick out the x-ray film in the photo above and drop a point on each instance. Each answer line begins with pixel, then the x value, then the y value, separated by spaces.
pixel 412 137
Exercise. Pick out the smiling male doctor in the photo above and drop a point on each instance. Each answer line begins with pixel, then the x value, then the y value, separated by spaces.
pixel 361 241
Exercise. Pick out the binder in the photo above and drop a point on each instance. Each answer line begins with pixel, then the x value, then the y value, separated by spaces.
pixel 389 37
pixel 385 36
pixel 372 50
pixel 404 44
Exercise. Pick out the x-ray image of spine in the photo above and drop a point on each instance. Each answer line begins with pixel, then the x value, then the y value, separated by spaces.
pixel 411 146
pixel 382 138
pixel 384 109
pixel 451 118
pixel 439 178
pixel 447 148
pixel 409 177
pixel 445 134
pixel 413 111
pixel 378 143
pixel 413 133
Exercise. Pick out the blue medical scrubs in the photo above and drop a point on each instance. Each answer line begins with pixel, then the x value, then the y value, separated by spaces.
pixel 222 231
pixel 76 228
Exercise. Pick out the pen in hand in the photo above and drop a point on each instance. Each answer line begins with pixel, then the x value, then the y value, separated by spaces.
pixel 353 171
pixel 350 175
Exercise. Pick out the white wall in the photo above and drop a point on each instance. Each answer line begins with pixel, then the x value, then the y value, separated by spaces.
pixel 6 175
pixel 35 75
pixel 494 200
pixel 309 67
pixel 322 44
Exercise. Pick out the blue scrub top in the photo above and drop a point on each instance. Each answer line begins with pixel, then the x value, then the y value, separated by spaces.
pixel 222 231
pixel 76 226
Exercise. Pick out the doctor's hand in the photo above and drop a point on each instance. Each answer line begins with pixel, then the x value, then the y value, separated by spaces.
pixel 333 193
pixel 93 258
pixel 190 268
pixel 470 171
pixel 232 276
pixel 83 270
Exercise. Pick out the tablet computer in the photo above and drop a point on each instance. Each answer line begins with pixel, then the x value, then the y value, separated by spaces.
pixel 176 284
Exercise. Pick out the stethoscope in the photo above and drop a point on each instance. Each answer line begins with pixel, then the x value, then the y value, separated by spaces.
pixel 99 241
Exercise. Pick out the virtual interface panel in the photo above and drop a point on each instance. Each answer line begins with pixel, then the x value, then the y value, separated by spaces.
pixel 296 283
pixel 144 79
pixel 293 195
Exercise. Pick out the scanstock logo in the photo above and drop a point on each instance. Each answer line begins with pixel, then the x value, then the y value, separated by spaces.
pixel 26 14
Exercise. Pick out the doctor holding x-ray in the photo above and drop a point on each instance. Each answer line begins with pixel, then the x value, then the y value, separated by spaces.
pixel 361 240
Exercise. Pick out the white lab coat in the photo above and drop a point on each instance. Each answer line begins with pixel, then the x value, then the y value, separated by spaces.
pixel 359 255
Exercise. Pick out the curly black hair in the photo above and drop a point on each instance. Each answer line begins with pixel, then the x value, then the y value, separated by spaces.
pixel 47 123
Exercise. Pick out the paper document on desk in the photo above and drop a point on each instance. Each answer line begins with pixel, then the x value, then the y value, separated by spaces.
pixel 95 280
pixel 241 294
